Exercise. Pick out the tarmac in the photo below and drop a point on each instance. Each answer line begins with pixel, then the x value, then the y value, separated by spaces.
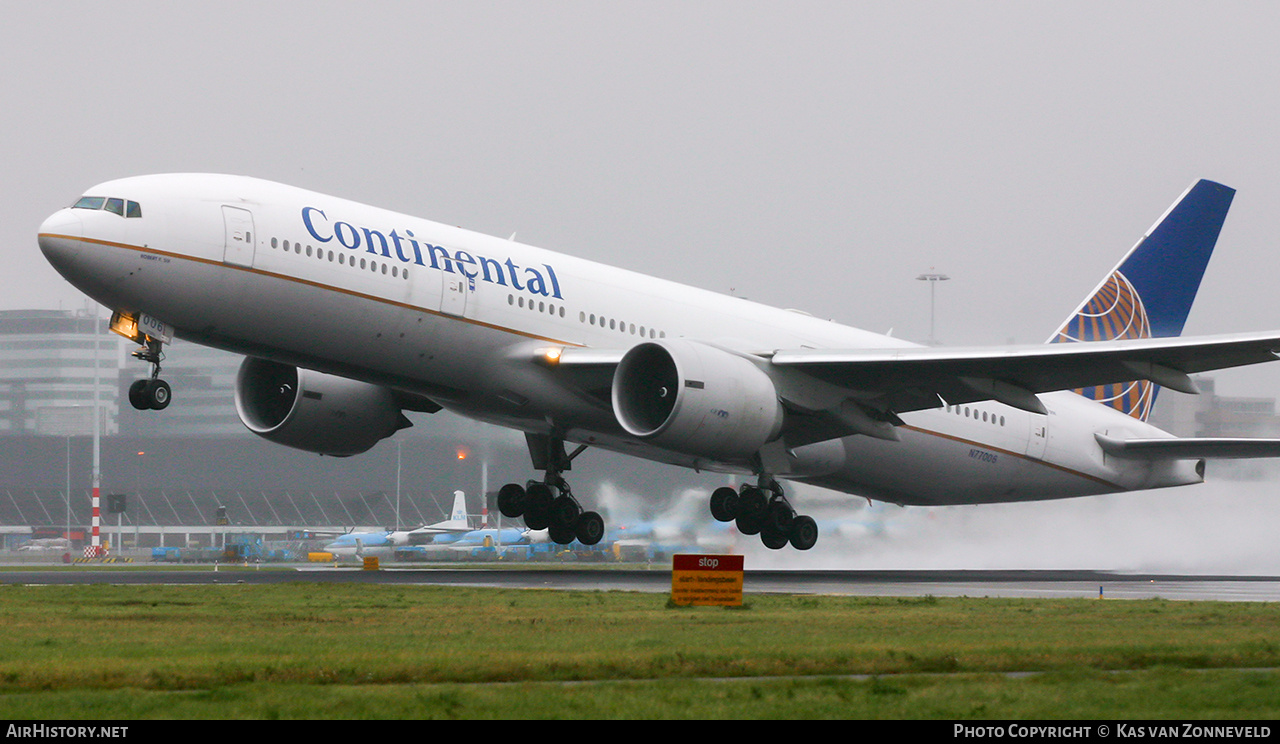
pixel 657 579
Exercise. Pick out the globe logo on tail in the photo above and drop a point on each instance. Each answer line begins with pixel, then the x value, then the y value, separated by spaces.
pixel 1114 312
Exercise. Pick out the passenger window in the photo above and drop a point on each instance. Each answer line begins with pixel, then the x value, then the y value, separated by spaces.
pixel 133 209
pixel 90 202
pixel 115 206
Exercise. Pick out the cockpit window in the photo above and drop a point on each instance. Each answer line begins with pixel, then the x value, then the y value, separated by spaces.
pixel 122 207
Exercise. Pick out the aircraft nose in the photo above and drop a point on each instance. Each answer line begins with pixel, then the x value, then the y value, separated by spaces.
pixel 62 222
pixel 59 237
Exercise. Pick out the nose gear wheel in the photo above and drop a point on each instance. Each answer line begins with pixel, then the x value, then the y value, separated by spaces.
pixel 151 394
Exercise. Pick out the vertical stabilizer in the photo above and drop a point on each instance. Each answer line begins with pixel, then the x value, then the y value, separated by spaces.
pixel 459 513
pixel 1149 294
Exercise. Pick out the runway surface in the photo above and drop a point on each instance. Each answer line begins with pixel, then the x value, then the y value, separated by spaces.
pixel 914 583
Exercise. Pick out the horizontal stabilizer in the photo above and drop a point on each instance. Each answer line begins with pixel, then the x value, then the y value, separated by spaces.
pixel 1190 448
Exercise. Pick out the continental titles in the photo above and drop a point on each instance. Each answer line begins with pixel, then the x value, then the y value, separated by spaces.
pixel 404 246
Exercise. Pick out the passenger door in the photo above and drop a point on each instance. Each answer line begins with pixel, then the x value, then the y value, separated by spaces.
pixel 240 239
pixel 456 289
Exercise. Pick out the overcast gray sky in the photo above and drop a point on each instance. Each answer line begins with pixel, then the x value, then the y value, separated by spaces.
pixel 804 154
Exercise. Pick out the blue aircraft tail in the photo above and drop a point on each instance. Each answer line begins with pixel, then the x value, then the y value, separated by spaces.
pixel 1149 294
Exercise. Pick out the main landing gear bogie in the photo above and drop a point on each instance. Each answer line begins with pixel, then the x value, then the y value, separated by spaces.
pixel 549 504
pixel 551 507
pixel 764 511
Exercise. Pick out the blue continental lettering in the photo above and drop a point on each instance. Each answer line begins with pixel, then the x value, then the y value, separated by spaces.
pixel 536 285
pixel 464 259
pixel 353 242
pixel 497 275
pixel 555 283
pixel 369 236
pixel 396 239
pixel 306 220
pixel 404 246
pixel 511 267
pixel 417 249
pixel 435 250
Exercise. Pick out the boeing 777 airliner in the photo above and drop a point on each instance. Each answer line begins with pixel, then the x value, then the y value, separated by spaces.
pixel 349 315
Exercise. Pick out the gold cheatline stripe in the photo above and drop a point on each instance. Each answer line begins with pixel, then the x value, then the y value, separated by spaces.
pixel 1019 455
pixel 310 283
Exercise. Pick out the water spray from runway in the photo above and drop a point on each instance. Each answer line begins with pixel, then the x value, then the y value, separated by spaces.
pixel 1220 527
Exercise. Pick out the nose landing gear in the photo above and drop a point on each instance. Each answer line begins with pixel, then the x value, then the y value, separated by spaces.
pixel 153 393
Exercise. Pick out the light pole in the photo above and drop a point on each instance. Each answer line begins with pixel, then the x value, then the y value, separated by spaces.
pixel 97 440
pixel 933 280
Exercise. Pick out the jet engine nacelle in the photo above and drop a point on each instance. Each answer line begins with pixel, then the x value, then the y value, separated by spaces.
pixel 695 399
pixel 312 411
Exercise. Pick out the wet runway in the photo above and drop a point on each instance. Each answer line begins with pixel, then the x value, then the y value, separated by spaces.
pixel 913 583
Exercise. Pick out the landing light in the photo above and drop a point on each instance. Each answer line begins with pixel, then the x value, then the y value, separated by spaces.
pixel 552 355
pixel 126 325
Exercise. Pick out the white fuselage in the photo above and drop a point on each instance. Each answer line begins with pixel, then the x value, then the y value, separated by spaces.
pixel 365 293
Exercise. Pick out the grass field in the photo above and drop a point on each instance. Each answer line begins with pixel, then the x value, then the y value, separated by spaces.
pixel 309 651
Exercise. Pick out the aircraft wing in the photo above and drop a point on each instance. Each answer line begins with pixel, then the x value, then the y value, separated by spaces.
pixel 439 530
pixel 868 388
pixel 906 379
pixel 917 377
